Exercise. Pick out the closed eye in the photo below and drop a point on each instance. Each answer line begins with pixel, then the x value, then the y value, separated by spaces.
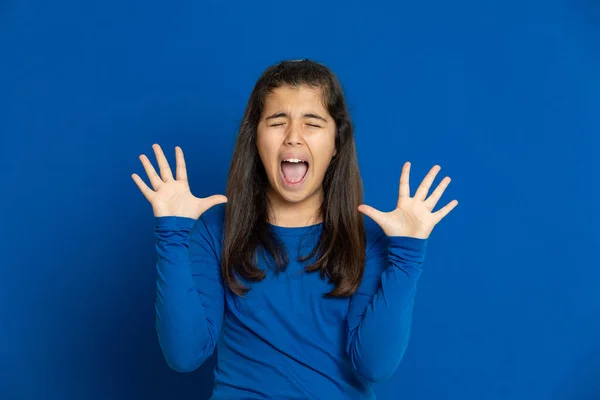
pixel 312 125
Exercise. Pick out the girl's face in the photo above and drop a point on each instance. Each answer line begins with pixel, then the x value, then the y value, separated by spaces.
pixel 296 142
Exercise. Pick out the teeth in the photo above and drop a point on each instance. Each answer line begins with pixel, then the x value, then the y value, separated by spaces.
pixel 293 160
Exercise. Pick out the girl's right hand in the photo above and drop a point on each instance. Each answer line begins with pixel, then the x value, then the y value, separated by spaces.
pixel 172 197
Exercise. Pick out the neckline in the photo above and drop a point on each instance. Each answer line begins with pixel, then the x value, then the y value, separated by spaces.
pixel 295 230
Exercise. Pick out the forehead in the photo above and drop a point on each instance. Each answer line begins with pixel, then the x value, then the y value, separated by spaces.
pixel 292 98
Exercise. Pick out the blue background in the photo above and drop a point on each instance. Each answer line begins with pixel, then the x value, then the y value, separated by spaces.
pixel 504 95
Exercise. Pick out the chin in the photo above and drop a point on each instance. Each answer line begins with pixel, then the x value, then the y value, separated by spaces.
pixel 295 196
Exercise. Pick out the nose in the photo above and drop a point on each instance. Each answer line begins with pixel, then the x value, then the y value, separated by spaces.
pixel 294 136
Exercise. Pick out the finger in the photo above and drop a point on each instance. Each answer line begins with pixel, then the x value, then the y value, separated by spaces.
pixel 404 190
pixel 442 212
pixel 146 191
pixel 163 164
pixel 180 171
pixel 433 199
pixel 423 188
pixel 155 180
pixel 374 214
pixel 212 201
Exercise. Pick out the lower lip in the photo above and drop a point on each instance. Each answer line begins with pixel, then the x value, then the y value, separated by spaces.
pixel 289 184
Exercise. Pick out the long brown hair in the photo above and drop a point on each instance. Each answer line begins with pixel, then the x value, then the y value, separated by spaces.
pixel 341 248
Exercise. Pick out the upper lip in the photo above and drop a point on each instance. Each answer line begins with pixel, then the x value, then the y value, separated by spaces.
pixel 298 156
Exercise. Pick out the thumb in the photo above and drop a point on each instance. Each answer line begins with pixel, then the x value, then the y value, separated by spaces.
pixel 211 201
pixel 372 213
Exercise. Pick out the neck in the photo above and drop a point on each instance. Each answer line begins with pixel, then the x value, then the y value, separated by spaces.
pixel 297 214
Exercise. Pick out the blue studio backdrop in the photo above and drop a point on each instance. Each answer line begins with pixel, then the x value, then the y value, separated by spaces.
pixel 504 95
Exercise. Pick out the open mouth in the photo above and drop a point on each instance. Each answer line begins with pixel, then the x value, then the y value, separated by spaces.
pixel 293 171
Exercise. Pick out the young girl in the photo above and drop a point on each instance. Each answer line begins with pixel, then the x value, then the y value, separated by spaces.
pixel 302 296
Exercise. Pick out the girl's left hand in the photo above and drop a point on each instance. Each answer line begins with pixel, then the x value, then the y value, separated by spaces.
pixel 413 216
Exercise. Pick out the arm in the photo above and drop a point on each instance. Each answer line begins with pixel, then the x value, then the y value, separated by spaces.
pixel 380 312
pixel 189 302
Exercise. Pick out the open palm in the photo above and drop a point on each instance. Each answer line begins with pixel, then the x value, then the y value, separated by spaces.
pixel 172 196
pixel 413 216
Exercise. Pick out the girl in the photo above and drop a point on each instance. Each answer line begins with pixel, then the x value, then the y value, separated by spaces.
pixel 302 296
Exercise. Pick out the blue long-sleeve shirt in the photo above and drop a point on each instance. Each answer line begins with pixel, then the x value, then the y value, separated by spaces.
pixel 283 339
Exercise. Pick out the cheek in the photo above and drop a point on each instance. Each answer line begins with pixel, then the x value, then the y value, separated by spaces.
pixel 324 149
pixel 322 158
pixel 323 164
pixel 267 153
pixel 261 145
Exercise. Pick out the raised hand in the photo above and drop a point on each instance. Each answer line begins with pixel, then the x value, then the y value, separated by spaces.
pixel 172 196
pixel 413 216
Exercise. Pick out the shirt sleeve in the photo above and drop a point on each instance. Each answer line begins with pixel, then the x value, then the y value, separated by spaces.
pixel 380 312
pixel 189 302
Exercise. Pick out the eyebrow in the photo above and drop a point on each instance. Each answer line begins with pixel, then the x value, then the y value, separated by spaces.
pixel 308 115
